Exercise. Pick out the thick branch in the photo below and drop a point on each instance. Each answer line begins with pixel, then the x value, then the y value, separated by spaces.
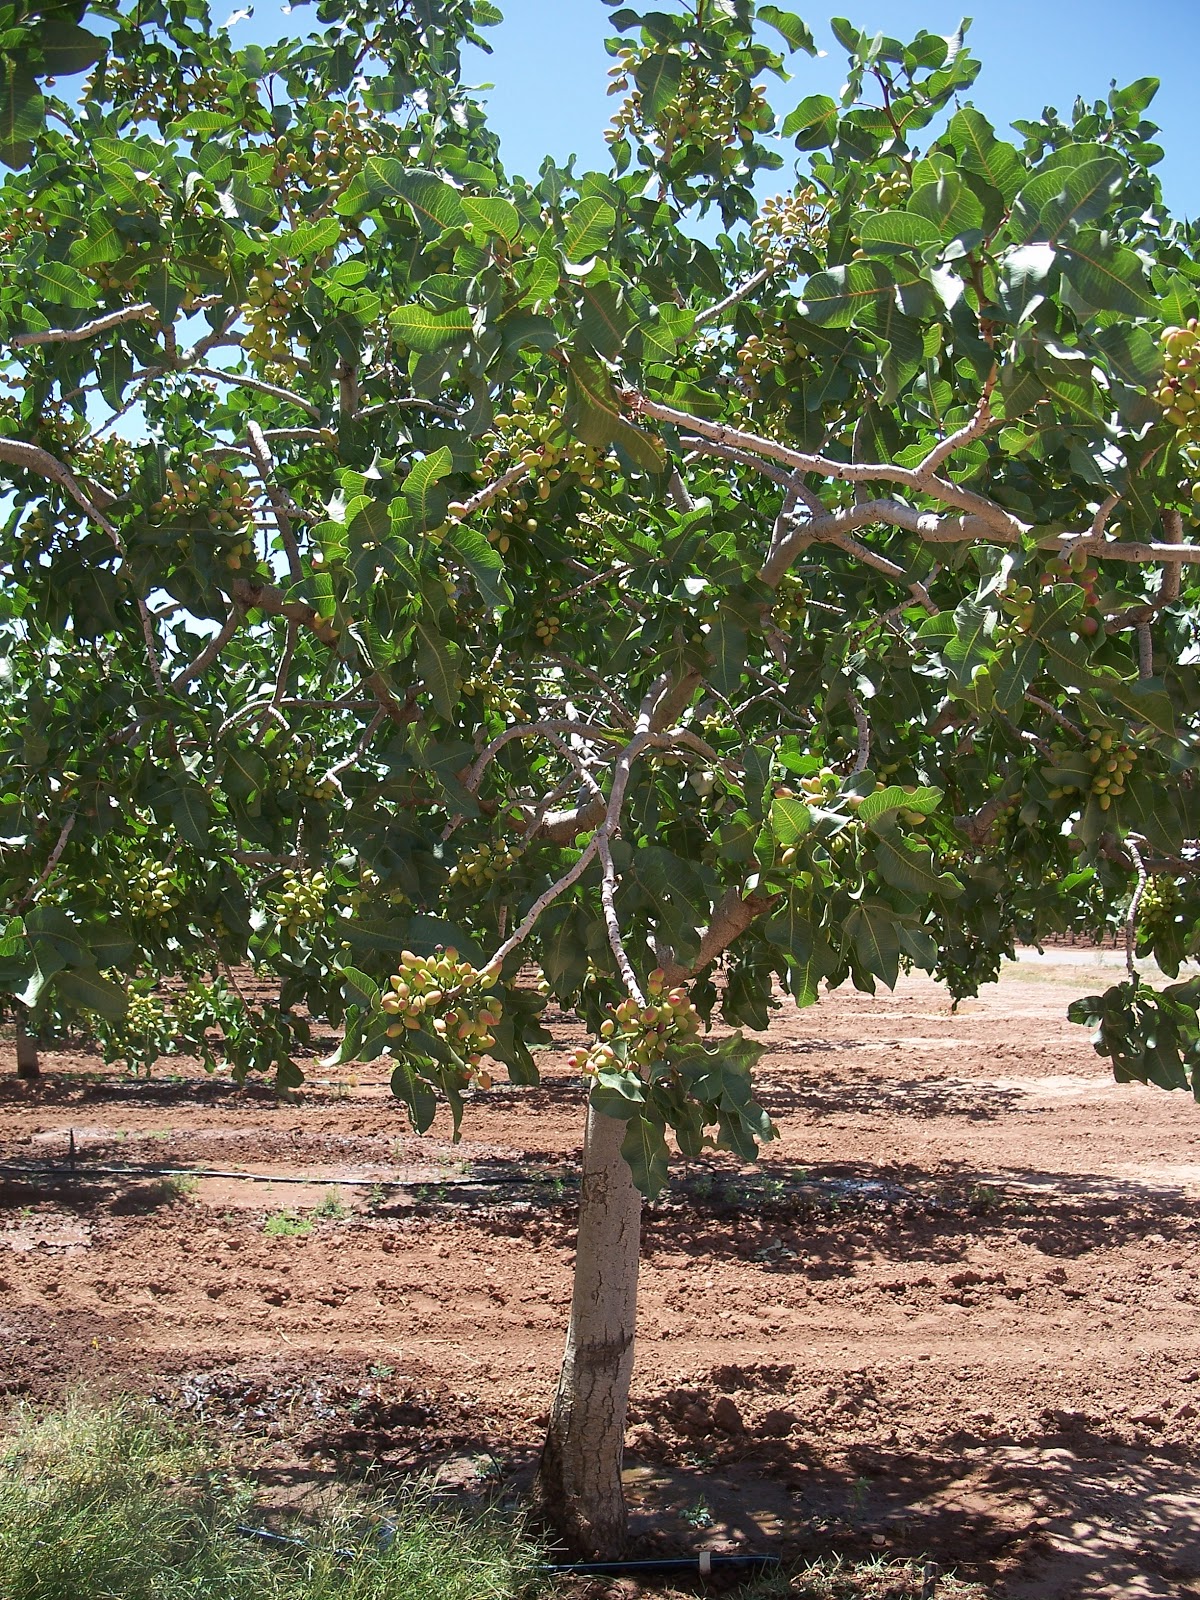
pixel 731 917
pixel 142 312
pixel 211 650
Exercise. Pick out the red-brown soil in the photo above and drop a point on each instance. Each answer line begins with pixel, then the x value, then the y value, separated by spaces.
pixel 955 1309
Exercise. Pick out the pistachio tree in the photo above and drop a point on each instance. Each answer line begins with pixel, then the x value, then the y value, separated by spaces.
pixel 415 574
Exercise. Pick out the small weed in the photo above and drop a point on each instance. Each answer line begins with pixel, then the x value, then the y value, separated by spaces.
pixel 860 1493
pixel 332 1207
pixel 698 1515
pixel 984 1197
pixel 376 1197
pixel 286 1225
pixel 380 1371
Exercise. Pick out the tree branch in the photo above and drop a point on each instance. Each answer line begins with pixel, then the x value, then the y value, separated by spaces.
pixel 281 503
pixel 715 313
pixel 211 650
pixel 142 312
pixel 243 380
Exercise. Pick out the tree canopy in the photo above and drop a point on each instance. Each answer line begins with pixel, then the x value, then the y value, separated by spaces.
pixel 413 571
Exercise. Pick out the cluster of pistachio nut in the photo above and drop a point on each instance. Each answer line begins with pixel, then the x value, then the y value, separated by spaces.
pixel 641 1035
pixel 477 868
pixel 787 223
pixel 303 901
pixel 447 995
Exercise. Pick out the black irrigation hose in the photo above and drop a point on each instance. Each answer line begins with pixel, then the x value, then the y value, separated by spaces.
pixel 84 1169
pixel 706 1562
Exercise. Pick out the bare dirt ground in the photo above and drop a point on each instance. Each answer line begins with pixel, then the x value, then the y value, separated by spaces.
pixel 955 1310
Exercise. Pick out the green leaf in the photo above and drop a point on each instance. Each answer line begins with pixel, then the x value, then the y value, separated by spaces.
pixel 790 820
pixel 189 813
pixel 617 1092
pixel 644 1148
pixel 833 298
pixel 788 24
pixel 884 803
pixel 889 233
pixel 358 989
pixel 86 989
pixel 589 228
pixel 871 929
pixel 424 330
pixel 606 319
pixel 417 1094
pixel 908 865
pixel 22 112
pixel 1108 276
pixel 66 48
pixel 483 561
pixel 978 149
pixel 594 416
pixel 433 202
pixel 1054 203
pixel 814 122
pixel 658 77
pixel 64 285
pixel 1025 279
pixel 498 216
pixel 949 205
pixel 436 666
pixel 425 505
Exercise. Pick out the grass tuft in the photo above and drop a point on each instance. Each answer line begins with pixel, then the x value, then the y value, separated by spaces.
pixel 116 1503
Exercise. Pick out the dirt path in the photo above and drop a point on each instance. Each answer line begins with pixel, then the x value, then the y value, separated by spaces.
pixel 954 1309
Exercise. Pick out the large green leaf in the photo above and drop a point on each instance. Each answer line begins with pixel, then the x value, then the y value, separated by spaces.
pixel 425 330
pixel 88 991
pixel 908 864
pixel 814 122
pixel 496 215
pixel 22 112
pixel 589 227
pixel 1108 276
pixel 889 233
pixel 644 1148
pixel 436 666
pixel 1054 203
pixel 873 933
pixel 949 204
pixel 978 149
pixel 885 803
pixel 435 204
pixel 426 505
pixel 833 298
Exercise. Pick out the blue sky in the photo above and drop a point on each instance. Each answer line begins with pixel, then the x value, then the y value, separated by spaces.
pixel 549 67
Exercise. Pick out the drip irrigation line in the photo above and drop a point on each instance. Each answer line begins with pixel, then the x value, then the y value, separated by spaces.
pixel 78 1170
pixel 707 1561
pixel 702 1564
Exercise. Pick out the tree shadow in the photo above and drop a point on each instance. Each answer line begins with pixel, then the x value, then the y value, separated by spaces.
pixel 877 1095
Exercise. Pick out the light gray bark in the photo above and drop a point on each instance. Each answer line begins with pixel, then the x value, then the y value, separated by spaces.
pixel 579 1480
pixel 27 1055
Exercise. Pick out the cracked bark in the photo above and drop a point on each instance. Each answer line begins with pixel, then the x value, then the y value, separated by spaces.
pixel 579 1479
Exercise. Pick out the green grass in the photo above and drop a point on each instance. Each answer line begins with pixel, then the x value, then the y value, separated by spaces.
pixel 115 1503
pixel 286 1225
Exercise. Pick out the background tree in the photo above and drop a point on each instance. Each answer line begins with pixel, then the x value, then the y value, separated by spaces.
pixel 415 572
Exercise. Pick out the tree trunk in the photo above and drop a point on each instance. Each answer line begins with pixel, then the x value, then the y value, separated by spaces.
pixel 27 1055
pixel 579 1480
